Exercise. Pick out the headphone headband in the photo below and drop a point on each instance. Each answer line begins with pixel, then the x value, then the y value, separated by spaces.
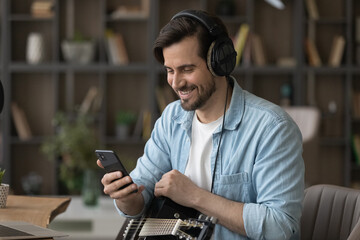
pixel 221 55
pixel 209 23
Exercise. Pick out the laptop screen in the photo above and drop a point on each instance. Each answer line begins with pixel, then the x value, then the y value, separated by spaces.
pixel 25 230
pixel 7 231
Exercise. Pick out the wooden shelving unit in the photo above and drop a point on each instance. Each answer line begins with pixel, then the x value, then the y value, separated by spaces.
pixel 54 85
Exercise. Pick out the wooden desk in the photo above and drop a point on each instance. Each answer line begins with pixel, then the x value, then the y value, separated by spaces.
pixel 36 210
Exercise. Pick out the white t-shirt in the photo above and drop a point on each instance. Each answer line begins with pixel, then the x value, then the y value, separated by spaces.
pixel 198 168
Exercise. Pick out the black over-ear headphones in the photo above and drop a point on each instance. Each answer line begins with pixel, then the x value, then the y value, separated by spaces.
pixel 221 57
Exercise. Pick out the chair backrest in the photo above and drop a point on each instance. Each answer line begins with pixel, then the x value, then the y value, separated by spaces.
pixel 331 212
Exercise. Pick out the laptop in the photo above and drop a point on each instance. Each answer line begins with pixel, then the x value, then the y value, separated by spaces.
pixel 24 230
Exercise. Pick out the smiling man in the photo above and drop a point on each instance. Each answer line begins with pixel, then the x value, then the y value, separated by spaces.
pixel 190 78
pixel 218 149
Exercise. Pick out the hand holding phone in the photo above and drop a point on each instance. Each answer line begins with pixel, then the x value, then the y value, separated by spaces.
pixel 111 163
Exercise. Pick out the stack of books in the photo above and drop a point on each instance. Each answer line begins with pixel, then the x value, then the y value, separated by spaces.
pixel 116 48
pixel 42 8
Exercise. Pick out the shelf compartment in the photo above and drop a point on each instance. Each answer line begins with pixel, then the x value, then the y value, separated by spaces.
pixel 34 94
pixel 125 92
pixel 20 35
pixel 30 159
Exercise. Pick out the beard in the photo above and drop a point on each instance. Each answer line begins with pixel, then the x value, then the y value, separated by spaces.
pixel 201 99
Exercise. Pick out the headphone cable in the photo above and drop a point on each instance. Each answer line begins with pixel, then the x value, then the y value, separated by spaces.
pixel 221 134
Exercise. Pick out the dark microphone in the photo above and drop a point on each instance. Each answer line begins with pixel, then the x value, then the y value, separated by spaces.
pixel 1 97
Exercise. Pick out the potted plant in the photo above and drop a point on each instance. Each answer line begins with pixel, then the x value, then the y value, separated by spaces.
pixel 4 190
pixel 75 143
pixel 78 50
pixel 124 120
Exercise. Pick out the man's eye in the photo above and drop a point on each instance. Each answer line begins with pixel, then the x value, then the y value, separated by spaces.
pixel 187 69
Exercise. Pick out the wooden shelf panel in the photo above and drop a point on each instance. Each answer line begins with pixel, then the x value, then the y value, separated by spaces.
pixel 29 18
pixel 63 67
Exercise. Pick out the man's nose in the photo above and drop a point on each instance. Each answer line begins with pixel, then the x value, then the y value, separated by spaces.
pixel 177 81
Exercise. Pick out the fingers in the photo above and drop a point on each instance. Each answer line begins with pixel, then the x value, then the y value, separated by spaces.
pixel 110 177
pixel 123 193
pixel 114 181
pixel 99 163
pixel 128 192
pixel 161 188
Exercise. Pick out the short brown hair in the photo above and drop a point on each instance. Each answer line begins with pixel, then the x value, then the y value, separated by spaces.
pixel 179 28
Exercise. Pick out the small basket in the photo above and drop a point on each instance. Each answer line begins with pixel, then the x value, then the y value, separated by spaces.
pixel 4 191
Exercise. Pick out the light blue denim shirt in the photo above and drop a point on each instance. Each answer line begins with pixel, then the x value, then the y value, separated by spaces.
pixel 260 163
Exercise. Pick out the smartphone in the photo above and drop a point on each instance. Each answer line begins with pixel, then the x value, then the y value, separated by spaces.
pixel 111 163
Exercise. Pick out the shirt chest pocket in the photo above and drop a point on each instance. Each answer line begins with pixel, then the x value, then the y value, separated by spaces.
pixel 234 187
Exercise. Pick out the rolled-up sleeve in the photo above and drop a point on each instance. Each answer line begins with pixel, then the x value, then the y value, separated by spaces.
pixel 278 181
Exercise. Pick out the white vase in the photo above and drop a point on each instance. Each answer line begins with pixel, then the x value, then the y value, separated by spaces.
pixel 35 50
pixel 4 191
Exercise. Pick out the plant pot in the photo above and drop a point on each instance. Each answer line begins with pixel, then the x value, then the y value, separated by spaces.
pixel 4 191
pixel 78 52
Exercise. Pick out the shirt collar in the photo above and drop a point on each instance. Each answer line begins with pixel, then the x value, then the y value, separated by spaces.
pixel 233 115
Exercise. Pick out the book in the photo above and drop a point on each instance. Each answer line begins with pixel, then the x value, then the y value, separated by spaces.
pixel 21 124
pixel 141 11
pixel 121 49
pixel 146 117
pixel 312 53
pixel 42 8
pixel 111 48
pixel 96 105
pixel 247 58
pixel 90 101
pixel 337 50
pixel 312 9
pixel 258 52
pixel 240 40
pixel 116 49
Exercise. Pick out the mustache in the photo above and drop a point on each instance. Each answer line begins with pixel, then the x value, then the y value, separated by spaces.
pixel 185 88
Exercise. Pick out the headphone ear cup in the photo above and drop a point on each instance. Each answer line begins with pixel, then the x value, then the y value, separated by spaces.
pixel 209 60
pixel 221 57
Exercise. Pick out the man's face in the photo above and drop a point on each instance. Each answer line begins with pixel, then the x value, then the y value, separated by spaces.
pixel 188 75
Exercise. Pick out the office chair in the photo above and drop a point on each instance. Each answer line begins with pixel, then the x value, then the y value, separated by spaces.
pixel 308 120
pixel 331 212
